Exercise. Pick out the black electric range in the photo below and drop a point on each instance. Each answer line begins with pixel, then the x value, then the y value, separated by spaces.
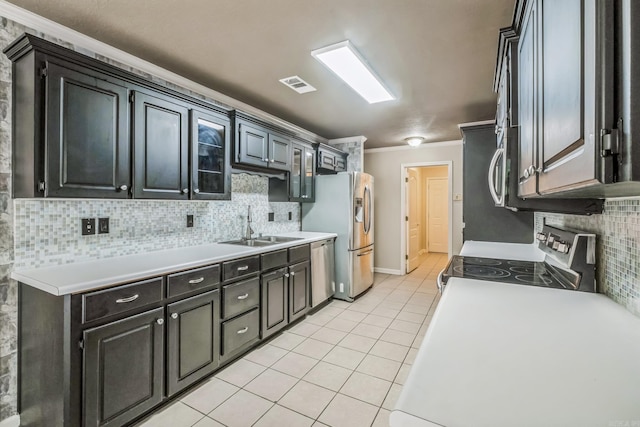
pixel 509 271
pixel 569 263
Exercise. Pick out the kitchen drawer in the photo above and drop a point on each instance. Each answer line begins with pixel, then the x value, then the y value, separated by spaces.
pixel 274 259
pixel 240 268
pixel 191 280
pixel 100 304
pixel 240 332
pixel 299 253
pixel 240 297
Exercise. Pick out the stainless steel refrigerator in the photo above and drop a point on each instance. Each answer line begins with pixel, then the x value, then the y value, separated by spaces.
pixel 344 205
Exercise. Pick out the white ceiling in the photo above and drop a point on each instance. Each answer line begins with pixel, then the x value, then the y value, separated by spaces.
pixel 436 56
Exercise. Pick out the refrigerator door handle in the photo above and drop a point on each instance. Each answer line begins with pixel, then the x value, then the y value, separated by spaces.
pixel 367 209
pixel 366 253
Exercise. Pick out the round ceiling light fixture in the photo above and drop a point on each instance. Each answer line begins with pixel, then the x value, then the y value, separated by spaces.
pixel 414 141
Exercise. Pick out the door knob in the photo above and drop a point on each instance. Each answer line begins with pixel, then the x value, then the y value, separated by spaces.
pixel 123 188
pixel 174 315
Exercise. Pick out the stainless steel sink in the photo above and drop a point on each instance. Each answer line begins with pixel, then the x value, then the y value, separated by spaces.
pixel 262 241
pixel 278 239
pixel 252 242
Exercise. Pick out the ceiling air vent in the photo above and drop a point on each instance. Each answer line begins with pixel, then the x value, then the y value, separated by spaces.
pixel 297 84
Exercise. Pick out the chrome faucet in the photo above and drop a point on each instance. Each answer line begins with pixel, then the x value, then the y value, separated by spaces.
pixel 249 231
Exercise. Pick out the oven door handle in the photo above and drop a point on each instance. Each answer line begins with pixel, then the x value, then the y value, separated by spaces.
pixel 499 200
pixel 439 282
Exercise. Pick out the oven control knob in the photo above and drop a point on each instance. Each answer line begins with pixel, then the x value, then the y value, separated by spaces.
pixel 555 245
pixel 550 241
pixel 563 248
pixel 541 237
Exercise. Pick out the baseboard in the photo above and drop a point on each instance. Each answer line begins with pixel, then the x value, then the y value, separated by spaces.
pixel 422 252
pixel 13 421
pixel 386 271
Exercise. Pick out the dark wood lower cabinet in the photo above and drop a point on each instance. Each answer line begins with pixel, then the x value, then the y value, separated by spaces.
pixel 123 369
pixel 193 340
pixel 299 285
pixel 275 295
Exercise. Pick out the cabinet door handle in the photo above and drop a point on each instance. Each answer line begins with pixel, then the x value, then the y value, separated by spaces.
pixel 194 281
pixel 243 268
pixel 174 316
pixel 127 299
pixel 273 160
pixel 292 274
pixel 243 330
pixel 196 190
pixel 286 274
pixel 160 321
pixel 185 190
pixel 245 296
pixel 123 188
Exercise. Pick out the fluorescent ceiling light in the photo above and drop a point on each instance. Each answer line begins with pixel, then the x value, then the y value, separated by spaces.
pixel 345 61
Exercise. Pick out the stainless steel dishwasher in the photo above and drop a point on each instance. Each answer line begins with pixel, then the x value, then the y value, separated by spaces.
pixel 323 275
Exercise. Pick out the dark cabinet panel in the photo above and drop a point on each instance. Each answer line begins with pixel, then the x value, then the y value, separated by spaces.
pixel 242 267
pixel 279 152
pixel 193 343
pixel 161 148
pixel 123 369
pixel 275 294
pixel 87 134
pixel 331 160
pixel 527 104
pixel 240 333
pixel 240 297
pixel 210 156
pixel 299 286
pixel 188 281
pixel 252 146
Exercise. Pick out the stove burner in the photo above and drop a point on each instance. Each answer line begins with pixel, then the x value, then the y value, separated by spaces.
pixel 481 261
pixel 534 279
pixel 520 263
pixel 530 269
pixel 480 271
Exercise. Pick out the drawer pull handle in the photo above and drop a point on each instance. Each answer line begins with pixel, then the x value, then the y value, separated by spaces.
pixel 243 296
pixel 194 281
pixel 243 268
pixel 293 274
pixel 128 299
pixel 243 330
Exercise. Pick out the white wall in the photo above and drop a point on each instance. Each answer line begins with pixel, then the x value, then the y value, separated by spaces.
pixel 385 166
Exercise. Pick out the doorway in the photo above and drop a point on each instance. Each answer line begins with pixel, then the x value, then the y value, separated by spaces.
pixel 427 215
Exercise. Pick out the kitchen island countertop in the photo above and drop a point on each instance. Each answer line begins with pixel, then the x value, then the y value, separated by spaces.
pixel 90 275
pixel 500 354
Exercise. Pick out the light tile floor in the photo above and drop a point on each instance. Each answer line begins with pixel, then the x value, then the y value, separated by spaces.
pixel 343 366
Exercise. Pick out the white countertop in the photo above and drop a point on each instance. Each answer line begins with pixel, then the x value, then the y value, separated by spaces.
pixel 514 251
pixel 510 355
pixel 90 275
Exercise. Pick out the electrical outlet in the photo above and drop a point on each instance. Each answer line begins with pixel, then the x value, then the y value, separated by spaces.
pixel 189 220
pixel 272 216
pixel 88 226
pixel 103 225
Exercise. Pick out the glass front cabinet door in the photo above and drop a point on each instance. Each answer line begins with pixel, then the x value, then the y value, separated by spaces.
pixel 211 171
pixel 301 179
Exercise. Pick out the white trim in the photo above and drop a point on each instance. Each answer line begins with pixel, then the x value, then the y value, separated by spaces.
pixel 483 122
pixel 360 138
pixel 403 175
pixel 51 28
pixel 13 421
pixel 423 146
pixel 379 270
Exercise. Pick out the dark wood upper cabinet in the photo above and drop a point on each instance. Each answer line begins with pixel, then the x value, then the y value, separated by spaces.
pixel 87 121
pixel 330 160
pixel 161 139
pixel 210 156
pixel 259 146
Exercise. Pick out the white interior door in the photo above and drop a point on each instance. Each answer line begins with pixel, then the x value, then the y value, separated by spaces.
pixel 437 215
pixel 413 220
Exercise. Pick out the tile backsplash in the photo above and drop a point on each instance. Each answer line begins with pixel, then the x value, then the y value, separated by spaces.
pixel 618 247
pixel 47 232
